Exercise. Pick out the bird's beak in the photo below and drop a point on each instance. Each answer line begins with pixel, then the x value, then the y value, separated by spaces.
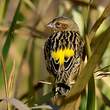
pixel 50 25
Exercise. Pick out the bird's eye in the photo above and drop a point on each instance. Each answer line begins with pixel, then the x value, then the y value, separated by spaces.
pixel 57 24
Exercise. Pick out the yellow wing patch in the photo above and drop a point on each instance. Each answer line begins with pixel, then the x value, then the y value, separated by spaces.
pixel 60 54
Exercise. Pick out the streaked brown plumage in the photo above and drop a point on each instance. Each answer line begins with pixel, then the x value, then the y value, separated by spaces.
pixel 63 53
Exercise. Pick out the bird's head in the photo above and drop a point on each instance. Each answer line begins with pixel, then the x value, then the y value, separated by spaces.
pixel 62 24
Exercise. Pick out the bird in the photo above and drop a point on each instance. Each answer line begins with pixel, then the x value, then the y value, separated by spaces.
pixel 63 52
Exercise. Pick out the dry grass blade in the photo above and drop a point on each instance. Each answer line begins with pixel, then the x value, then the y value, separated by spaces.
pixel 90 66
pixel 30 4
pixel 104 15
pixel 83 3
pixel 5 79
pixel 42 107
pixel 4 75
pixel 102 69
pixel 11 80
pixel 17 104
pixel 101 74
pixel 31 70
pixel 106 12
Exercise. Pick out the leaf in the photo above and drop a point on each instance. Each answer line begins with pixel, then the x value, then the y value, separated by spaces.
pixel 91 83
pixel 91 95
pixel 5 7
pixel 104 15
pixel 10 34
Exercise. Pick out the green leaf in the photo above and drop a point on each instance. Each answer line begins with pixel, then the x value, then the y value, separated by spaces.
pixel 91 95
pixel 10 34
pixel 91 84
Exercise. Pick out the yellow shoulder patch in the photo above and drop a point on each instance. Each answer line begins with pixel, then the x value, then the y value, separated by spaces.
pixel 61 54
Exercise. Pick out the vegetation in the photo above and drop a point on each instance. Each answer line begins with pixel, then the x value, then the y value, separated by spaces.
pixel 22 35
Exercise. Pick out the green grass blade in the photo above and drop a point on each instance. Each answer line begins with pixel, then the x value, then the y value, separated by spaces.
pixel 91 95
pixel 32 72
pixel 10 34
pixel 83 101
pixel 5 8
pixel 91 84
